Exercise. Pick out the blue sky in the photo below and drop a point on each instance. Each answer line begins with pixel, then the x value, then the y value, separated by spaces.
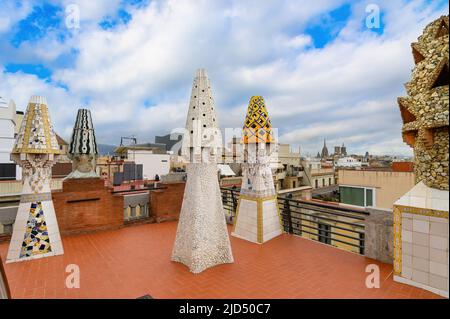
pixel 322 71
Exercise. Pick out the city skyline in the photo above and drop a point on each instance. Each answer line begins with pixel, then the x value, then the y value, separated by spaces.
pixel 321 70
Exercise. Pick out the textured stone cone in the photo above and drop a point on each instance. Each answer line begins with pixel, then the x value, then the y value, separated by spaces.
pixel 202 237
pixel 36 232
pixel 425 111
pixel 257 216
pixel 202 125
pixel 83 146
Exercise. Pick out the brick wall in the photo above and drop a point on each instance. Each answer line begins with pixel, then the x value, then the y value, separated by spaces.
pixel 86 205
pixel 61 170
pixel 166 203
pixel 403 166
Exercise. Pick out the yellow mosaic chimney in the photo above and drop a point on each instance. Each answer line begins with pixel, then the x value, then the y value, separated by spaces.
pixel 257 126
pixel 36 135
pixel 36 150
pixel 257 216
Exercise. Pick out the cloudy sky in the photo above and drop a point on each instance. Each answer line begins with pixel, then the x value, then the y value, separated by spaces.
pixel 322 71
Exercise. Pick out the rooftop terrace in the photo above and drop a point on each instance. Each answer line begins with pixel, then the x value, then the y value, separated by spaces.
pixel 135 261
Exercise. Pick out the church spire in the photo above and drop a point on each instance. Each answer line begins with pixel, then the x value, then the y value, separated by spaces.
pixel 324 153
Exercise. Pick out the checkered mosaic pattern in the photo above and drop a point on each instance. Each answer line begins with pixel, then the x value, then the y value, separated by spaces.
pixel 36 133
pixel 257 126
pixel 36 240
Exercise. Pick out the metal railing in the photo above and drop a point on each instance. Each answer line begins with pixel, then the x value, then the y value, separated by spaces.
pixel 337 226
pixel 230 198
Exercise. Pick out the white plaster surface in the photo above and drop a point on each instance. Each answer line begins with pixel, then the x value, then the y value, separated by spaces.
pixel 441 292
pixel 425 257
pixel 422 196
pixel 246 221
pixel 271 220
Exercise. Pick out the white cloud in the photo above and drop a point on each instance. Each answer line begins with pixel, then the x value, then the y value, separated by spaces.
pixel 11 12
pixel 62 104
pixel 345 92
pixel 299 41
pixel 92 11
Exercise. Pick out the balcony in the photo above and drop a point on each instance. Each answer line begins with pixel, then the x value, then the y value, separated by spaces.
pixel 337 226
pixel 320 255
pixel 135 261
pixel 280 175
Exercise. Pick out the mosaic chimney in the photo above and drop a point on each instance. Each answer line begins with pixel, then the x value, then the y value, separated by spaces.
pixel 83 147
pixel 425 110
pixel 257 217
pixel 36 232
pixel 202 238
pixel 421 215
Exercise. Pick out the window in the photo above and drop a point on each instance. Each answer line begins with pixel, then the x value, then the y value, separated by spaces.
pixel 359 196
pixel 352 195
pixel 317 183
pixel 323 181
pixel 329 181
pixel 369 197
pixel 324 233
pixel 361 243
pixel 7 171
pixel 293 184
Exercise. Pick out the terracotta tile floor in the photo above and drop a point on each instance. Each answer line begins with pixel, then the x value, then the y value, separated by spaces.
pixel 135 261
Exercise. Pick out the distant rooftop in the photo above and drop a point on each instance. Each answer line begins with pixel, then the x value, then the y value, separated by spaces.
pixel 396 167
pixel 135 261
pixel 60 140
pixel 156 147
pixel 402 166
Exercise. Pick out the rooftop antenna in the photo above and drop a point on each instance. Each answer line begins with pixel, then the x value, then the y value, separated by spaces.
pixel 132 138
